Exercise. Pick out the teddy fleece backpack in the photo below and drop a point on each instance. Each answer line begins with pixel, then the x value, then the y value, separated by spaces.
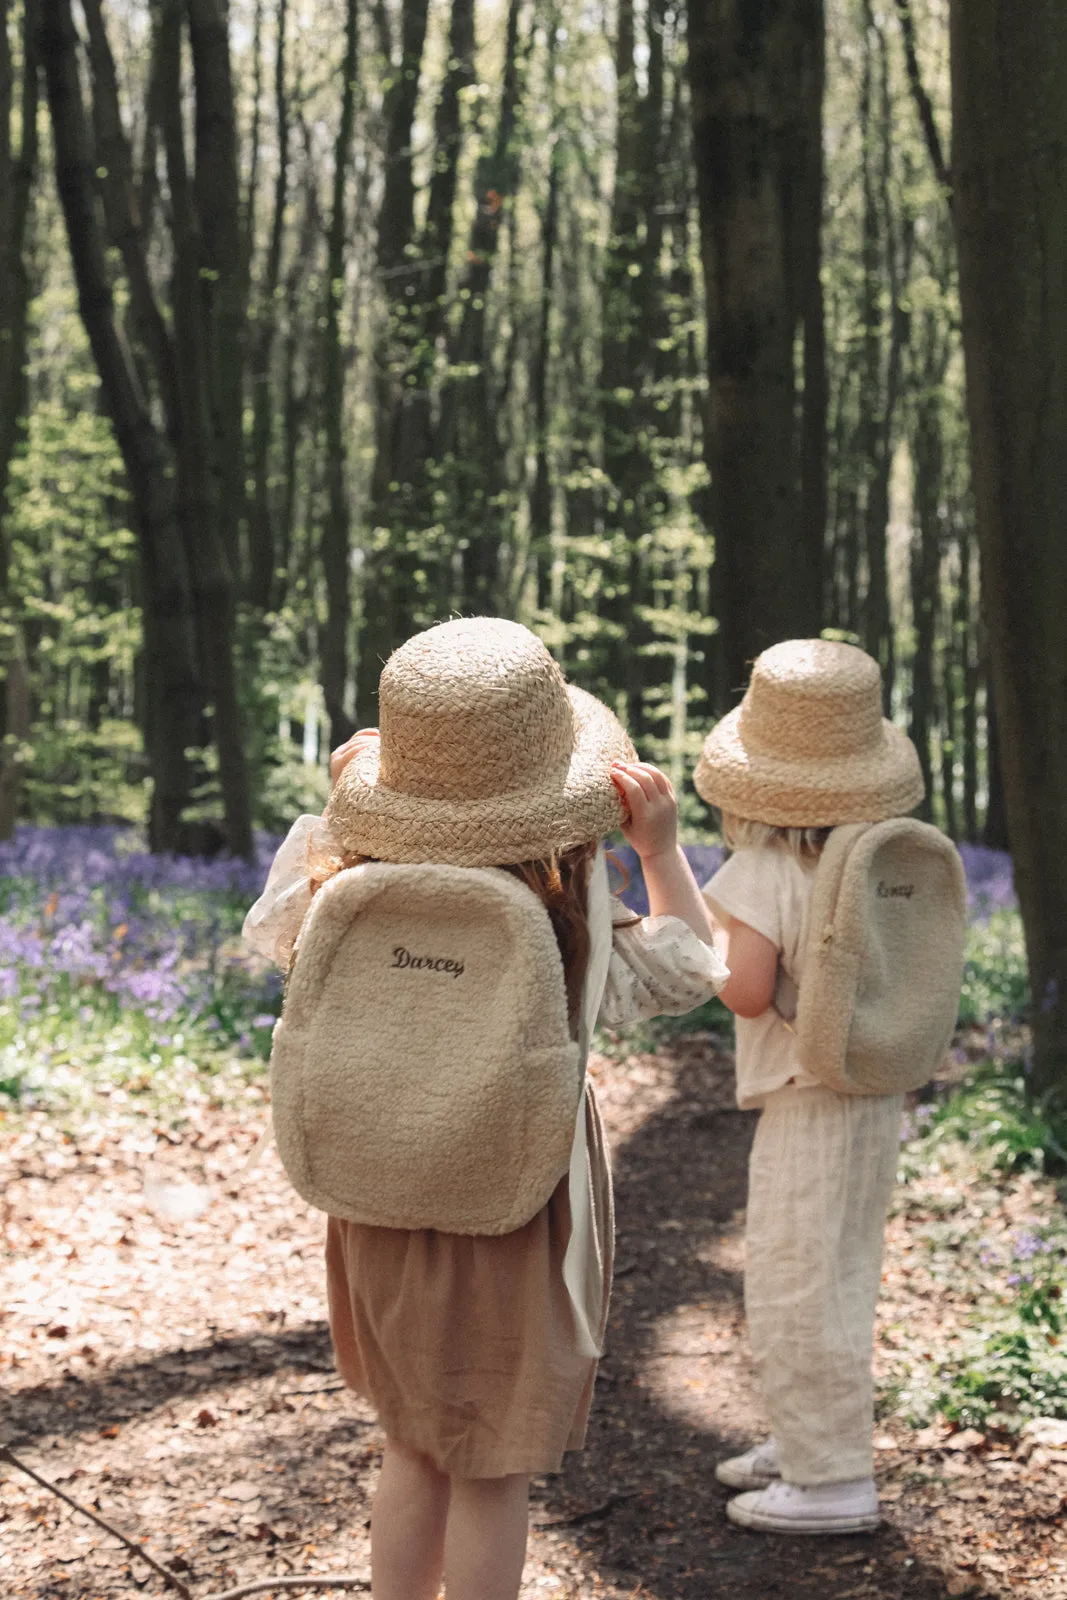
pixel 423 1073
pixel 880 994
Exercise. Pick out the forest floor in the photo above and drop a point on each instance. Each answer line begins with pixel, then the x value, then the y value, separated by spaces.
pixel 177 1377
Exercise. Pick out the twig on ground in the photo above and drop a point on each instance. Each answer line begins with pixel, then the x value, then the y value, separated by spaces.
pixel 170 1578
pixel 323 1388
pixel 343 1580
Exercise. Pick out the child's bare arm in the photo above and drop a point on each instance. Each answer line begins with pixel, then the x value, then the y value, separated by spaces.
pixel 753 963
pixel 652 830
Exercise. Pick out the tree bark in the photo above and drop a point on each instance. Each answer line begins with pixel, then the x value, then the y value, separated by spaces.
pixel 223 277
pixel 18 175
pixel 928 460
pixel 174 687
pixel 414 442
pixel 262 554
pixel 335 529
pixel 1009 93
pixel 969 668
pixel 468 429
pixel 206 268
pixel 756 76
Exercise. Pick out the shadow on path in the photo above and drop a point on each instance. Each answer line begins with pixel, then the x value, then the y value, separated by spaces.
pixel 134 1388
pixel 677 1394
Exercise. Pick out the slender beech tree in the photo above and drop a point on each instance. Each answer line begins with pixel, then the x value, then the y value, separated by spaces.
pixel 469 428
pixel 336 527
pixel 1009 117
pixel 756 75
pixel 170 402
pixel 395 504
pixel 263 542
pixel 18 175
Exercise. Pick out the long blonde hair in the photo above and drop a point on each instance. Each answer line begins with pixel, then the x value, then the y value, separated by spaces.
pixel 804 844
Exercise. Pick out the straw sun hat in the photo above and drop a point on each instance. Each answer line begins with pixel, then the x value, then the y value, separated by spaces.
pixel 808 747
pixel 487 756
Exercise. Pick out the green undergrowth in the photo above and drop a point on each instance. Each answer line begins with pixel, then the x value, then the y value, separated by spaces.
pixel 977 1286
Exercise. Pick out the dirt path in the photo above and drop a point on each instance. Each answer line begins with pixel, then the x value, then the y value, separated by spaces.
pixel 178 1377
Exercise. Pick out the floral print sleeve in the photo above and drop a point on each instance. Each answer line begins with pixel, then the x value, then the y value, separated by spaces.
pixel 273 923
pixel 658 968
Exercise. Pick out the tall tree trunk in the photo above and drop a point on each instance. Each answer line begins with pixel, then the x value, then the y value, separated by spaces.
pixel 223 276
pixel 18 175
pixel 968 649
pixel 887 252
pixel 468 430
pixel 207 265
pixel 949 729
pixel 755 73
pixel 174 687
pixel 541 487
pixel 414 442
pixel 927 457
pixel 262 554
pixel 335 530
pixel 389 562
pixel 631 319
pixel 1009 94
pixel 995 826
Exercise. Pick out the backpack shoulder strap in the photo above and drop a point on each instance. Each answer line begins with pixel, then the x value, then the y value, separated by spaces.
pixel 583 1266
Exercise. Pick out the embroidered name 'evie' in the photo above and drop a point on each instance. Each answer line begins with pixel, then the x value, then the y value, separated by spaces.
pixel 895 891
pixel 404 958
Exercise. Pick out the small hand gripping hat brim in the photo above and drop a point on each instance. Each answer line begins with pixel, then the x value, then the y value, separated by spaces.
pixel 808 747
pixel 487 757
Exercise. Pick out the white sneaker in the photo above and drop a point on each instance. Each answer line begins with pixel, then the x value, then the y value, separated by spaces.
pixel 820 1508
pixel 754 1470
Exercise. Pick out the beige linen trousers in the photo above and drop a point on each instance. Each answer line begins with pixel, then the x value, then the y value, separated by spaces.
pixel 820 1176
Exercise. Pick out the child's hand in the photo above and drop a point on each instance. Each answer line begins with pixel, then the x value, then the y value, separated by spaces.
pixel 351 747
pixel 652 828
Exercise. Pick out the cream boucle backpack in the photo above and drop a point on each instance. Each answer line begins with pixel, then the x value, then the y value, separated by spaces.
pixel 423 1073
pixel 881 986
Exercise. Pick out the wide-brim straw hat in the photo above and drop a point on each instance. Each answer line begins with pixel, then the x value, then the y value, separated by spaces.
pixel 808 747
pixel 487 757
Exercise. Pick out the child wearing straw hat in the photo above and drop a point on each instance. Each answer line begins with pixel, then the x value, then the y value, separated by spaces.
pixel 808 749
pixel 479 1350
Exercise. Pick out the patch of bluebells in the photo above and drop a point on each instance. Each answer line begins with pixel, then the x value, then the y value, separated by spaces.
pixel 990 885
pixel 628 881
pixel 913 1124
pixel 90 919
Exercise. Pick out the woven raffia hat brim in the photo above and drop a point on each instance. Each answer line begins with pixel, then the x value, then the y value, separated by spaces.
pixel 808 747
pixel 545 783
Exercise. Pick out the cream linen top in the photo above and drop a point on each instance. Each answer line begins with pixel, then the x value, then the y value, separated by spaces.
pixel 653 967
pixel 768 889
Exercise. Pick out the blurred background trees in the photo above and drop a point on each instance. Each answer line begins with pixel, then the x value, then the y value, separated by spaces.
pixel 321 322
pixel 341 318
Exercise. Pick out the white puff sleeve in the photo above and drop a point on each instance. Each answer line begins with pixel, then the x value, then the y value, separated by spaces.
pixel 272 924
pixel 658 967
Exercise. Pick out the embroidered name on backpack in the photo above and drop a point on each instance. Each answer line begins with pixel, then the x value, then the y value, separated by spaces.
pixel 895 891
pixel 404 958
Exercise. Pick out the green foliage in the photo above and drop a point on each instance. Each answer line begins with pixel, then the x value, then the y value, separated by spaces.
pixel 1017 1374
pixel 985 1225
pixel 993 1114
pixel 73 591
pixel 995 981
